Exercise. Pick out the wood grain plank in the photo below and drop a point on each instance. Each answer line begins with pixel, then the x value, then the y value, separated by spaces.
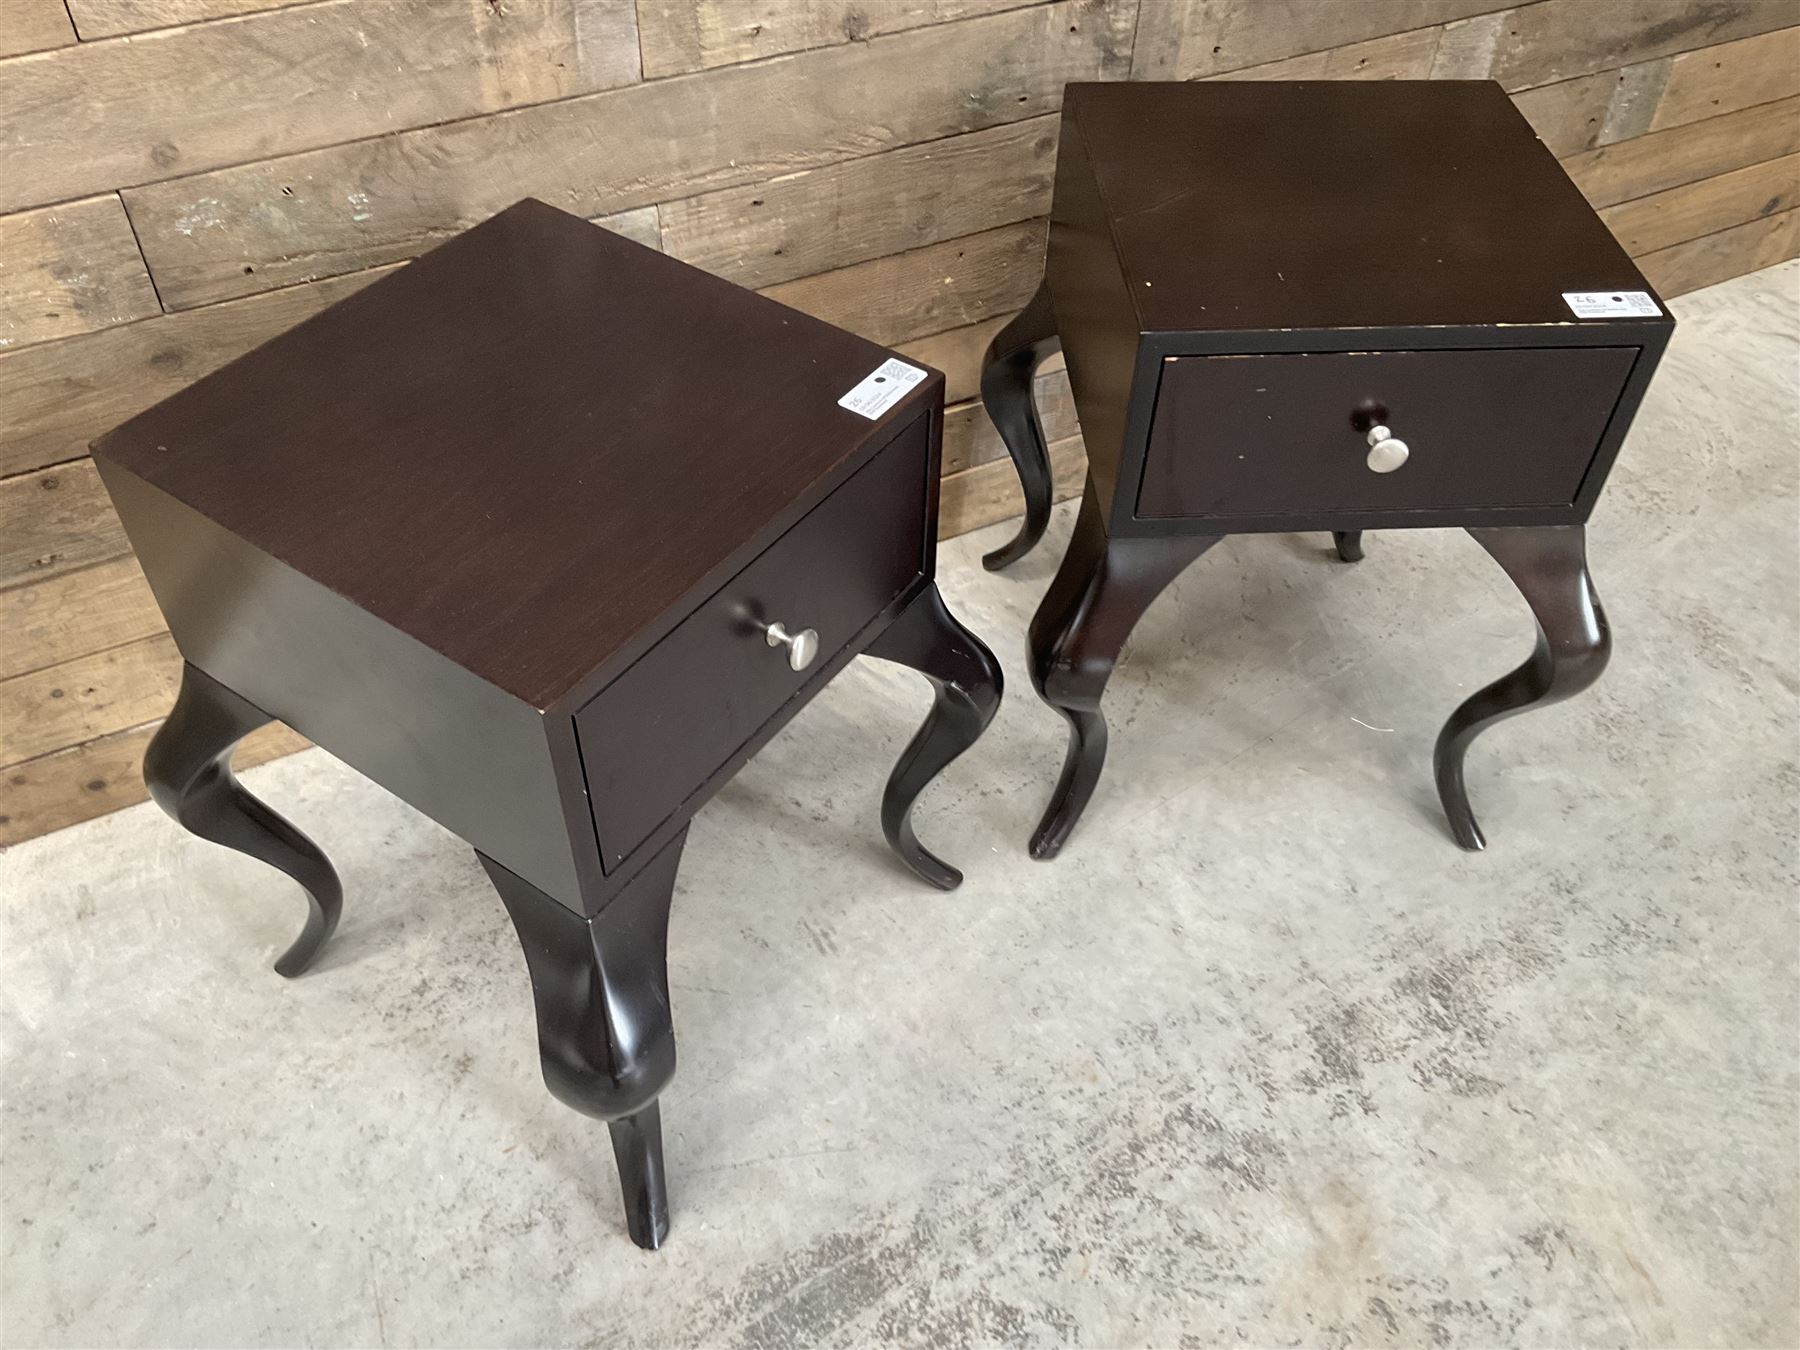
pixel 55 521
pixel 1666 159
pixel 963 281
pixel 56 620
pixel 970 438
pixel 102 776
pixel 1400 56
pixel 990 492
pixel 33 26
pixel 846 213
pixel 1731 75
pixel 89 697
pixel 1664 219
pixel 1712 258
pixel 112 18
pixel 1192 39
pixel 59 396
pixel 353 206
pixel 686 35
pixel 1554 40
pixel 70 269
pixel 1570 115
pixel 180 100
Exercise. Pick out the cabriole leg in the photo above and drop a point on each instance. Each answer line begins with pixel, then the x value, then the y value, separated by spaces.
pixel 188 771
pixel 605 1034
pixel 1100 592
pixel 968 684
pixel 1007 369
pixel 1549 566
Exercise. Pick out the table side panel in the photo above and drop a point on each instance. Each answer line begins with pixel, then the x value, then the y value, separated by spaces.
pixel 1095 318
pixel 667 723
pixel 472 758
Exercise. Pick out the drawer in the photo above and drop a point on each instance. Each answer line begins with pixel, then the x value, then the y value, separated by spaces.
pixel 654 736
pixel 1276 434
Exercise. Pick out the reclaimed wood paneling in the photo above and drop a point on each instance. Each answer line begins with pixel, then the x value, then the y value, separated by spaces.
pixel 1666 159
pixel 990 492
pixel 1551 40
pixel 55 521
pixel 1649 224
pixel 33 26
pixel 1400 56
pixel 867 208
pixel 686 35
pixel 111 18
pixel 70 269
pixel 1733 75
pixel 179 100
pixel 928 290
pixel 59 619
pixel 59 396
pixel 970 438
pixel 1192 39
pixel 352 206
pixel 100 776
pixel 91 696
pixel 1728 253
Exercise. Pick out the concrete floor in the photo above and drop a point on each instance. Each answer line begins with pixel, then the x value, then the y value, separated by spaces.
pixel 1263 1058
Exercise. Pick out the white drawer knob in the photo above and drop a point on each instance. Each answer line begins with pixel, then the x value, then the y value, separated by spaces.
pixel 801 646
pixel 1386 453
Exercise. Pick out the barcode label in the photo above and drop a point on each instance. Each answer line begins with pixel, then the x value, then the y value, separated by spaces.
pixel 882 388
pixel 1611 304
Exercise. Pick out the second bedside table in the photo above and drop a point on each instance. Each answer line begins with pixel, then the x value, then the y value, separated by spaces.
pixel 546 533
pixel 1319 306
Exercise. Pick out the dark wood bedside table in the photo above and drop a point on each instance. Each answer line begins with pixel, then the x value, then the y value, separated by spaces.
pixel 1330 306
pixel 547 534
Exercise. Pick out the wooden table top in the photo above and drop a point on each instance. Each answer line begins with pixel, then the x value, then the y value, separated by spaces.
pixel 1257 205
pixel 524 448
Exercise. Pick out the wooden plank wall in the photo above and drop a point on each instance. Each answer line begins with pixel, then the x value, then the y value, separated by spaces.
pixel 181 179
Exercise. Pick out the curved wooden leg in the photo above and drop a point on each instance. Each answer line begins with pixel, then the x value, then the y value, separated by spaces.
pixel 968 685
pixel 1549 566
pixel 1101 591
pixel 187 768
pixel 605 1035
pixel 1349 544
pixel 1007 369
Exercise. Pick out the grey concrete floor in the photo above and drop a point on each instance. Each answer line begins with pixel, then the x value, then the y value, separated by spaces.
pixel 1262 1058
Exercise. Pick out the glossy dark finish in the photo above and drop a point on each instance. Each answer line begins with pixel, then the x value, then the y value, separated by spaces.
pixel 1242 436
pixel 1007 371
pixel 1549 566
pixel 500 531
pixel 188 771
pixel 966 684
pixel 1100 592
pixel 682 708
pixel 1243 278
pixel 605 1034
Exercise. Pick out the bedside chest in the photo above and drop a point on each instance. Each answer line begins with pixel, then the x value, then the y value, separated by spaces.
pixel 547 534
pixel 1331 306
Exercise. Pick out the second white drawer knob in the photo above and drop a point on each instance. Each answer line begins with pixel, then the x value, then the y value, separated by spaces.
pixel 1386 452
pixel 802 646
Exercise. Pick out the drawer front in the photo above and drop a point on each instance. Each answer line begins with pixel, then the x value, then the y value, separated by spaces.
pixel 1276 434
pixel 654 736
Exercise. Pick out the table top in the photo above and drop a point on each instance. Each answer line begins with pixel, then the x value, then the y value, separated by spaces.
pixel 524 448
pixel 1256 205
